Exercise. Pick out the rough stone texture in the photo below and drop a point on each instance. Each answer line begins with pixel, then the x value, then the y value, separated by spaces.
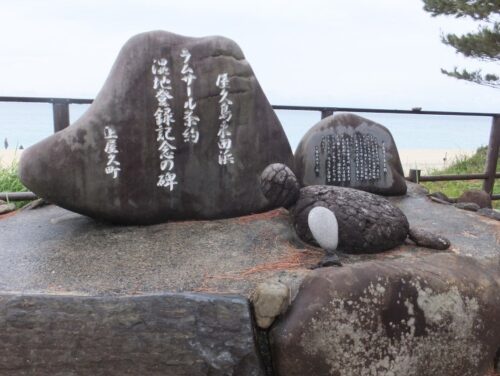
pixel 368 168
pixel 324 227
pixel 366 223
pixel 435 315
pixel 83 297
pixel 270 299
pixel 7 208
pixel 427 239
pixel 476 196
pixel 167 334
pixel 490 213
pixel 470 206
pixel 59 253
pixel 279 185
pixel 68 168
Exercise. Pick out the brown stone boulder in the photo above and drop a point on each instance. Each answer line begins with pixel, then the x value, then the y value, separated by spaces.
pixel 350 151
pixel 476 196
pixel 437 315
pixel 180 130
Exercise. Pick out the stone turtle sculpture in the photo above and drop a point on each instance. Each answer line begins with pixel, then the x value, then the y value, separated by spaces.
pixel 367 223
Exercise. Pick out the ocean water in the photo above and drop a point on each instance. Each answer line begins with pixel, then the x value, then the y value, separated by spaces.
pixel 24 124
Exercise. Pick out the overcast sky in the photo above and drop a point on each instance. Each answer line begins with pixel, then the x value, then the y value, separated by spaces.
pixel 381 54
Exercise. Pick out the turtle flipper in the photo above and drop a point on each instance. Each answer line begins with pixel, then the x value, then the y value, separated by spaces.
pixel 427 239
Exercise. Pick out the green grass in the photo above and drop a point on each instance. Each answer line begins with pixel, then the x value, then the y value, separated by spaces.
pixel 464 165
pixel 9 182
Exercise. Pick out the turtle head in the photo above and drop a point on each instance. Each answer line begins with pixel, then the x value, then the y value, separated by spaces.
pixel 279 185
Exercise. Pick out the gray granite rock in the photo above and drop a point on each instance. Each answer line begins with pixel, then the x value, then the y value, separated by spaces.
pixel 324 227
pixel 350 151
pixel 470 206
pixel 165 334
pixel 477 196
pixel 7 208
pixel 180 130
pixel 435 315
pixel 427 239
pixel 490 213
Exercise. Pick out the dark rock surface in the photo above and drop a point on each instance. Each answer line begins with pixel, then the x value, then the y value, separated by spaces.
pixel 427 239
pixel 351 151
pixel 366 223
pixel 490 213
pixel 470 206
pixel 59 252
pixel 167 334
pixel 477 196
pixel 432 315
pixel 132 157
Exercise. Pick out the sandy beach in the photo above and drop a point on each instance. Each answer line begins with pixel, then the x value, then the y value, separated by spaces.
pixel 9 156
pixel 423 159
pixel 430 159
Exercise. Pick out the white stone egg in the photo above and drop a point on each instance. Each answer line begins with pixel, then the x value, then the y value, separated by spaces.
pixel 324 227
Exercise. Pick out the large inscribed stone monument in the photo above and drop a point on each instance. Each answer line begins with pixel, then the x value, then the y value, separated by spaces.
pixel 180 130
pixel 350 151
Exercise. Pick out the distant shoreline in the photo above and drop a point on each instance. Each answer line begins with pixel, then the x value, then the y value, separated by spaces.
pixel 430 159
pixel 423 159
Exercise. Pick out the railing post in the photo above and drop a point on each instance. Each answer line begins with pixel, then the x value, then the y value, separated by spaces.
pixel 326 113
pixel 492 156
pixel 414 176
pixel 61 115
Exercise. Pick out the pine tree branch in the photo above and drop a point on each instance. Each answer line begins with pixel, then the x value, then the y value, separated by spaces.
pixel 476 9
pixel 484 44
pixel 488 79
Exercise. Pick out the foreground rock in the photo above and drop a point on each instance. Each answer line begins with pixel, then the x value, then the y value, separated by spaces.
pixel 490 213
pixel 437 315
pixel 125 279
pixel 350 151
pixel 180 130
pixel 168 334
pixel 80 297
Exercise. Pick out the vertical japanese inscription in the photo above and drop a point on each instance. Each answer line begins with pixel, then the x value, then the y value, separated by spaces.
pixel 224 134
pixel 191 133
pixel 358 157
pixel 164 119
pixel 112 165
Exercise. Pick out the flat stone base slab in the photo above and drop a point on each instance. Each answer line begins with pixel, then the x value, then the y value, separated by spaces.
pixel 81 297
pixel 50 250
pixel 167 334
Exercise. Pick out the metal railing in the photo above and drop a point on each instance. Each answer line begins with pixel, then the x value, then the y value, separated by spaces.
pixel 60 107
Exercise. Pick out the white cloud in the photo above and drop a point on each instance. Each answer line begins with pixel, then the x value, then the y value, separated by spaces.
pixel 351 53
